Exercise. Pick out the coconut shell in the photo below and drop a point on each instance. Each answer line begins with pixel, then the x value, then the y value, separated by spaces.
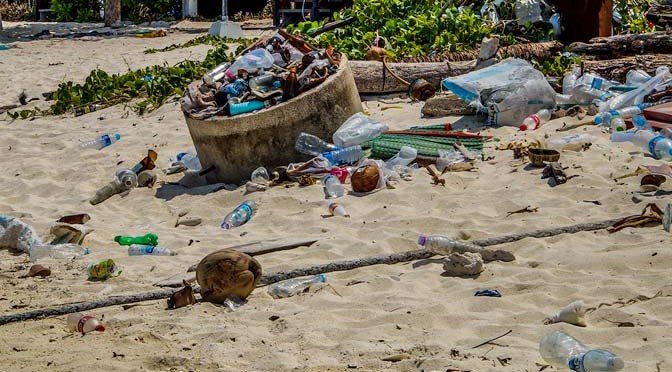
pixel 227 273
pixel 365 179
pixel 38 270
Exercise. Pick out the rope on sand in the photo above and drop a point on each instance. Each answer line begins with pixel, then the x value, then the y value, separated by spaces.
pixel 319 269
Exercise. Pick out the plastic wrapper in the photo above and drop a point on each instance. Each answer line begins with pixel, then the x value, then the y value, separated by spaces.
pixel 358 129
pixel 508 91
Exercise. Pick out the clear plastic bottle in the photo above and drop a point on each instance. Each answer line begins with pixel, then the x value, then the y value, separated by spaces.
pixel 658 146
pixel 534 121
pixel 216 74
pixel 569 80
pixel 336 209
pixel 333 187
pixel 144 250
pixel 63 251
pixel 626 112
pixel 251 62
pixel 101 142
pixel 189 159
pixel 78 322
pixel 127 178
pixel 290 287
pixel 666 132
pixel 312 145
pixel 636 77
pixel 564 351
pixel 578 139
pixel 240 215
pixel 618 124
pixel 347 155
pixel 260 176
pixel 358 129
pixel 435 241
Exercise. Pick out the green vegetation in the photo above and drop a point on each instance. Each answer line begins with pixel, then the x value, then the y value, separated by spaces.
pixel 556 66
pixel 204 39
pixel 151 86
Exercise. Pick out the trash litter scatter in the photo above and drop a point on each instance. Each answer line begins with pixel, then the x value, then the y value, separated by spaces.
pixel 271 71
pixel 563 351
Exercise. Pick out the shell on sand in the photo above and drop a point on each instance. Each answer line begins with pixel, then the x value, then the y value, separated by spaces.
pixel 227 273
pixel 573 313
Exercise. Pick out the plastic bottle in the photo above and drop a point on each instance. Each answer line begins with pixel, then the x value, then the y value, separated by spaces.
pixel 216 74
pixel 564 351
pixel 572 139
pixel 263 82
pixel 626 112
pixel 127 178
pixel 636 77
pixel 333 187
pixel 347 155
pixel 245 107
pixel 101 142
pixel 312 145
pixel 658 146
pixel 404 157
pixel 147 239
pixel 260 175
pixel 288 288
pixel 635 96
pixel 240 215
pixel 189 159
pixel 666 132
pixel 618 124
pixel 78 322
pixel 434 241
pixel 640 123
pixel 534 121
pixel 569 81
pixel 251 62
pixel 63 251
pixel 142 250
pixel 337 210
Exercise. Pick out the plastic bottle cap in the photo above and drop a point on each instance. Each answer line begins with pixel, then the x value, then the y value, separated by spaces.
pixel 87 251
pixel 322 278
pixel 117 136
pixel 523 127
pixel 100 328
pixel 598 120
pixel 422 240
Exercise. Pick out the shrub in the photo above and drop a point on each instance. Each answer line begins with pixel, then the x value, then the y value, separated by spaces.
pixel 76 10
pixel 14 11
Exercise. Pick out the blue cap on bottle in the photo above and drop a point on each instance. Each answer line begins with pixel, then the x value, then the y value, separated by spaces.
pixel 117 136
pixel 87 251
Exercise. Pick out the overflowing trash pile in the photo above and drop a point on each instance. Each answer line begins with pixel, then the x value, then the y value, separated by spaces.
pixel 270 72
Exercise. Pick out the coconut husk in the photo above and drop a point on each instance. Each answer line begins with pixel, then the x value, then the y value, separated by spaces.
pixel 37 270
pixel 365 179
pixel 227 273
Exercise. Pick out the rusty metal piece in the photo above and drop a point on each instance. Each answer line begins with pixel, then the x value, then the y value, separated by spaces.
pixel 421 90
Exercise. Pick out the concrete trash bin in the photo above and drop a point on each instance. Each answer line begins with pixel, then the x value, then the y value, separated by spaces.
pixel 238 145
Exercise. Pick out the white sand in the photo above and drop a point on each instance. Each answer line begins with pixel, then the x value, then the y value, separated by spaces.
pixel 397 309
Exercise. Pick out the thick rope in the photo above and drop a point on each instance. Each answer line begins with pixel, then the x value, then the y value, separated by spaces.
pixel 271 278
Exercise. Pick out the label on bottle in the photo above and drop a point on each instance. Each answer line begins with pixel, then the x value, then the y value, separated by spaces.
pixel 248 211
pixel 149 249
pixel 652 146
pixel 535 118
pixel 106 140
pixel 82 321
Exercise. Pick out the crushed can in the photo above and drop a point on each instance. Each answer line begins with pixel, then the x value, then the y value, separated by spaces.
pixel 103 270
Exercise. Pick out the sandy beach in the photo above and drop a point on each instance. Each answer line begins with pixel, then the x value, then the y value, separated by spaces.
pixel 429 320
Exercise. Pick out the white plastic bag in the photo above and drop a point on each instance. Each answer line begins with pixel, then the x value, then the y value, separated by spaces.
pixel 528 11
pixel 358 129
pixel 508 91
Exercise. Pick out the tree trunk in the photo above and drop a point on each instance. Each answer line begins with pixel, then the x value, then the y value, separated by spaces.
pixel 371 78
pixel 623 45
pixel 615 69
pixel 585 19
pixel 112 12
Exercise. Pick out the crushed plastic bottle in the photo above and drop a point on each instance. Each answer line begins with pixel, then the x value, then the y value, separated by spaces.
pixel 240 215
pixel 147 239
pixel 58 251
pixel 290 287
pixel 78 322
pixel 563 351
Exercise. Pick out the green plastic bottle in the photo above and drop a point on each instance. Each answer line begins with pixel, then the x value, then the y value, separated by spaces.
pixel 147 239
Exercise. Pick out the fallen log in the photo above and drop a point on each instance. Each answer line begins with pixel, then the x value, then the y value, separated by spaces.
pixel 616 69
pixel 624 45
pixel 371 77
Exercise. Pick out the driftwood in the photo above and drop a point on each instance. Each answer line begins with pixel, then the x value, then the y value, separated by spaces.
pixel 624 45
pixel 615 69
pixel 446 105
pixel 371 77
pixel 279 276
